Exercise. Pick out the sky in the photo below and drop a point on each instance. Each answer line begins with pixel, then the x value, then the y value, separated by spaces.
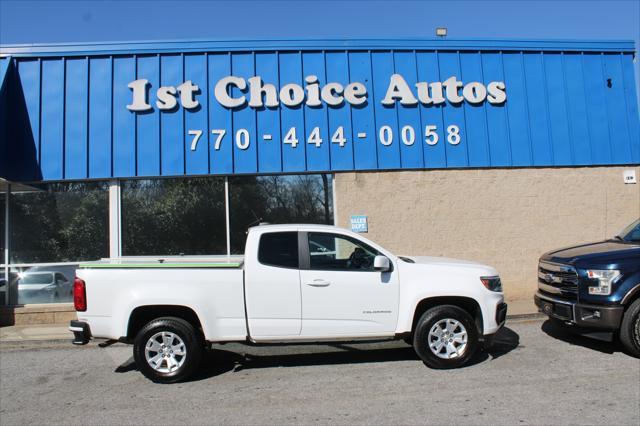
pixel 50 21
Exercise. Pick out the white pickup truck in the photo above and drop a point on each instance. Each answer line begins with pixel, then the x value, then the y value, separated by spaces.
pixel 295 283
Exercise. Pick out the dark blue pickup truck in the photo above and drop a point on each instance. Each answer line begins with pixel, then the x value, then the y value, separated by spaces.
pixel 595 288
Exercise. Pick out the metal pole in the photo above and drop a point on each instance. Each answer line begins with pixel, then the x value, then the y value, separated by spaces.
pixel 226 212
pixel 115 225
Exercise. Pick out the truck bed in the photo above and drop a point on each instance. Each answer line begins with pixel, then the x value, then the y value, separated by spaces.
pixel 138 262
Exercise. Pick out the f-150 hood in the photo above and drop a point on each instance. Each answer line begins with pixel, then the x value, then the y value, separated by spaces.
pixel 593 252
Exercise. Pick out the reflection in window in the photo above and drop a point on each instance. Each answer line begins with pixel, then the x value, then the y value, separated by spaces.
pixel 173 217
pixel 61 222
pixel 339 253
pixel 43 284
pixel 277 199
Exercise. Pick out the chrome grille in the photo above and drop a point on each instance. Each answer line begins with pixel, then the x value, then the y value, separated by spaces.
pixel 557 279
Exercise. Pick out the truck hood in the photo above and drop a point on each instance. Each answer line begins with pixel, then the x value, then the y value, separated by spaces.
pixel 592 252
pixel 448 262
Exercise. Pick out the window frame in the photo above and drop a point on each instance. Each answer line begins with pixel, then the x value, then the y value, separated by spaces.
pixel 307 253
pixel 300 252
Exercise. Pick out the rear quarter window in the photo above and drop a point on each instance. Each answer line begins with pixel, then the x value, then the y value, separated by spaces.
pixel 279 249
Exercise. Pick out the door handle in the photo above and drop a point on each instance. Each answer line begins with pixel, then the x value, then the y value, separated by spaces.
pixel 319 283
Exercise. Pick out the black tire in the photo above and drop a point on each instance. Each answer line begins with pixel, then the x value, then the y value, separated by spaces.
pixel 428 320
pixel 188 363
pixel 630 329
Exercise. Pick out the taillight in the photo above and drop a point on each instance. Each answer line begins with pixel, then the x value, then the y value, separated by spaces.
pixel 79 295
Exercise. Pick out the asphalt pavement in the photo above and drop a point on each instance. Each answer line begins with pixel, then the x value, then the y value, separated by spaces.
pixel 536 373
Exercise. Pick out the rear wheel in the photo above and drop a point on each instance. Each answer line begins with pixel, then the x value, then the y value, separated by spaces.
pixel 168 350
pixel 630 329
pixel 445 337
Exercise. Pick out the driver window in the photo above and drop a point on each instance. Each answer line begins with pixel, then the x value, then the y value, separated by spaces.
pixel 339 253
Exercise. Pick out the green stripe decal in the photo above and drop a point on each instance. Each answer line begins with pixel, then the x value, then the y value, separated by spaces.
pixel 158 265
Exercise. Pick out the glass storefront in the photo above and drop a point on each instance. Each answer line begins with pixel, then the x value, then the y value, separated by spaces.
pixel 277 199
pixel 55 226
pixel 60 222
pixel 52 228
pixel 173 217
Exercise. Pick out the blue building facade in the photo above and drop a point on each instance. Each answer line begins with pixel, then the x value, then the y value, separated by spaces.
pixel 66 117
pixel 169 148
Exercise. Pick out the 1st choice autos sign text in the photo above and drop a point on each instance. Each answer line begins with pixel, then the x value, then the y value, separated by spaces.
pixel 258 94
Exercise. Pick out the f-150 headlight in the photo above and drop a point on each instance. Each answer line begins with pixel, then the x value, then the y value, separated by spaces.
pixel 603 278
pixel 492 283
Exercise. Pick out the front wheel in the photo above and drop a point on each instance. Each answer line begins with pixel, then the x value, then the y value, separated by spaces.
pixel 630 329
pixel 167 350
pixel 445 337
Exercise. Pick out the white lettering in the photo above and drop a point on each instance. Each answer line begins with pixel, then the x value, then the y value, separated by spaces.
pixel 497 93
pixel 291 95
pixel 166 98
pixel 399 89
pixel 188 92
pixel 451 86
pixel 329 93
pixel 139 101
pixel 355 93
pixel 257 89
pixel 474 92
pixel 222 93
pixel 313 91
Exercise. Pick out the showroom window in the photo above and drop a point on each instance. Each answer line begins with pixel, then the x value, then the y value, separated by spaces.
pixel 173 217
pixel 52 228
pixel 60 222
pixel 277 199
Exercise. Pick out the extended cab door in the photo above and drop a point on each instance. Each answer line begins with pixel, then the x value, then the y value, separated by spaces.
pixel 341 292
pixel 272 285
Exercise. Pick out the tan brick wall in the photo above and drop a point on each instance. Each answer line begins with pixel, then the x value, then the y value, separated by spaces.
pixel 503 217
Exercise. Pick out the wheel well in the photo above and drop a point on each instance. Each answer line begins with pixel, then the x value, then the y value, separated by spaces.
pixel 465 303
pixel 142 315
pixel 632 295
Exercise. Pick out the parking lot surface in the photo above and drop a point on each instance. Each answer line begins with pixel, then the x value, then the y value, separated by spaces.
pixel 536 373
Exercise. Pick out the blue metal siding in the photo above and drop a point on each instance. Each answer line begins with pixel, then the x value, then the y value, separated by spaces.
pixel 566 106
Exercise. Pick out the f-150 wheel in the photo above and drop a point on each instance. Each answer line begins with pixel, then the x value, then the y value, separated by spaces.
pixel 445 337
pixel 630 329
pixel 167 350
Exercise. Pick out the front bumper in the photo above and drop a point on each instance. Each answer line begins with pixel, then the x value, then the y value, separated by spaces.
pixel 81 332
pixel 583 315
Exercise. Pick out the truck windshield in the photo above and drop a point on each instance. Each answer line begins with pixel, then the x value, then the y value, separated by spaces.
pixel 631 233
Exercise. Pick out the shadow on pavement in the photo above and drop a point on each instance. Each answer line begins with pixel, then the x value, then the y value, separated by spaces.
pixel 219 361
pixel 566 334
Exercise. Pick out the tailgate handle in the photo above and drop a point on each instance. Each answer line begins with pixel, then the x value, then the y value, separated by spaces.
pixel 319 283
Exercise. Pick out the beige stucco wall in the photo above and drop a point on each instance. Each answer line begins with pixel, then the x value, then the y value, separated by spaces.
pixel 503 217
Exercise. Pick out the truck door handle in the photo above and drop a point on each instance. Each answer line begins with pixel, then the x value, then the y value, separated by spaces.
pixel 319 283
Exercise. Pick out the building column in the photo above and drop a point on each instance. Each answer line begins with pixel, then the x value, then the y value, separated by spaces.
pixel 115 231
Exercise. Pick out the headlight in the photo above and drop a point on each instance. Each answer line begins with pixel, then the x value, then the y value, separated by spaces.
pixel 492 283
pixel 603 279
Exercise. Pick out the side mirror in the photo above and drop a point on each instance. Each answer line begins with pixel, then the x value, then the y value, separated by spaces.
pixel 381 263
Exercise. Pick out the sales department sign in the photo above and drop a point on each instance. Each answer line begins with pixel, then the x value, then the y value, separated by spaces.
pixel 257 94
